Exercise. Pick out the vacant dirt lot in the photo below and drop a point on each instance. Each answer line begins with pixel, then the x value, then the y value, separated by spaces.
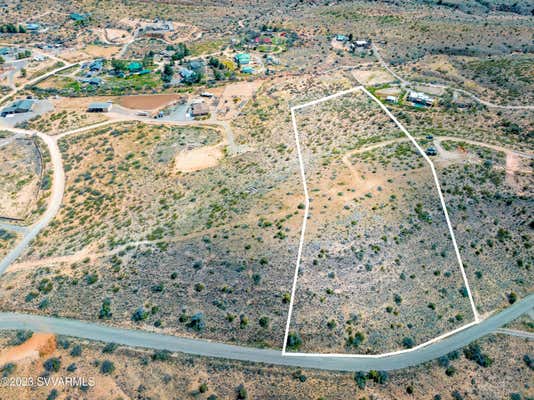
pixel 197 159
pixel 148 102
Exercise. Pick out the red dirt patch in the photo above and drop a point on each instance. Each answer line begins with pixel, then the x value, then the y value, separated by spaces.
pixel 148 102
pixel 40 344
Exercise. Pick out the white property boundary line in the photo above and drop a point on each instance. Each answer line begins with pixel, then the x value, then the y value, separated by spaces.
pixel 303 230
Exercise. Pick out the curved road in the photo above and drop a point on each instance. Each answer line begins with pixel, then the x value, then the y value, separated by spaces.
pixel 58 187
pixel 138 338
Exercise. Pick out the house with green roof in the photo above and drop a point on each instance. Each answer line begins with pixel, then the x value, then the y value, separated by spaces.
pixel 242 58
pixel 135 66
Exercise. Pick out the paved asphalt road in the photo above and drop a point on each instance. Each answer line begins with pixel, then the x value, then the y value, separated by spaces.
pixel 137 338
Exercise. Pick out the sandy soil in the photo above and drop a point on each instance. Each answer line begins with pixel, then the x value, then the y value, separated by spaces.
pixel 235 96
pixel 197 159
pixel 514 165
pixel 148 102
pixel 337 45
pixel 101 51
pixel 72 55
pixel 117 35
pixel 391 91
pixel 372 77
pixel 432 90
pixel 40 344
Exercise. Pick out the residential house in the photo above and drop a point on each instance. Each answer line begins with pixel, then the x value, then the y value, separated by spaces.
pixel 242 58
pixel 420 98
pixel 199 109
pixel 188 75
pixel 17 107
pixel 134 67
pixel 195 65
pixel 96 65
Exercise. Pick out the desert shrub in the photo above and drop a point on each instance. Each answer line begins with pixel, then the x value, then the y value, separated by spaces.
pixel 361 379
pixel 52 364
pixel 110 348
pixel 197 322
pixel 20 337
pixel 264 322
pixel 53 395
pixel 105 310
pixel 242 392
pixel 140 314
pixel 161 355
pixel 380 377
pixel 76 351
pixel 474 353
pixel 294 340
pixel 8 369
pixel 408 342
pixel 107 367
pixel 355 339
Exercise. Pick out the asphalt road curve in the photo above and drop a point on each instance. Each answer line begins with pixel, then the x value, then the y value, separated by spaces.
pixel 138 338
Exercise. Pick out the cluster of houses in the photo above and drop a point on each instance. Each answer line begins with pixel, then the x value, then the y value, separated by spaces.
pixel 266 37
pixel 243 60
pixel 93 71
pixel 35 27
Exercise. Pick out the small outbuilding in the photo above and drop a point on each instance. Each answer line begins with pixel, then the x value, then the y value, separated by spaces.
pixel 32 26
pixel 78 17
pixel 99 107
